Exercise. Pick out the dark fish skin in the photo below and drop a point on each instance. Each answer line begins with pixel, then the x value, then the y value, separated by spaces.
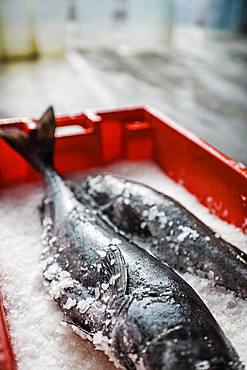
pixel 132 306
pixel 162 226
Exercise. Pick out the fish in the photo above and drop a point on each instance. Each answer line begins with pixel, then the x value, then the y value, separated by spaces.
pixel 133 307
pixel 162 226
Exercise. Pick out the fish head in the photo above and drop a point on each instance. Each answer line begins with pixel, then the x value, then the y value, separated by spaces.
pixel 141 342
pixel 103 188
pixel 115 199
pixel 151 335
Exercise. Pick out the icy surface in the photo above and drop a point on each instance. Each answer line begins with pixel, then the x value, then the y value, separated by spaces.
pixel 39 339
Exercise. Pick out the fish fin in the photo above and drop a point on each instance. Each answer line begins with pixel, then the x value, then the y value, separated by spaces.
pixel 115 271
pixel 37 145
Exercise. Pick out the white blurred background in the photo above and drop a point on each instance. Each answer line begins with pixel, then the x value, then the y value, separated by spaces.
pixel 186 58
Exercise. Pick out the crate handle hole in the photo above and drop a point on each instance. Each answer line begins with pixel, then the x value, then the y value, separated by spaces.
pixel 72 130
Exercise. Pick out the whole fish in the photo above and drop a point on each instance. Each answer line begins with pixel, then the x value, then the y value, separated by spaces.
pixel 130 305
pixel 162 226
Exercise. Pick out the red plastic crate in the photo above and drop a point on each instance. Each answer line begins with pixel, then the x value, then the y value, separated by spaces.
pixel 133 134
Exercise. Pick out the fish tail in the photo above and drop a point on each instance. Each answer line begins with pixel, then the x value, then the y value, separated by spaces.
pixel 36 146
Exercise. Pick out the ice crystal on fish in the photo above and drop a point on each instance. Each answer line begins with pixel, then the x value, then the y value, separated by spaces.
pixel 84 305
pixel 101 342
pixel 187 232
pixel 202 365
pixel 52 271
pixel 101 253
pixel 58 285
pixel 70 303
pixel 114 278
pixel 97 292
pixel 115 241
pixel 152 213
